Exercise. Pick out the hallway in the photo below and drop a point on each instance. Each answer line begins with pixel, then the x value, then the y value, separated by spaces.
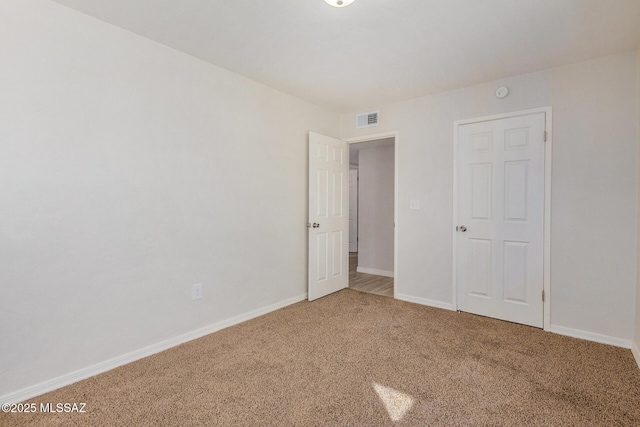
pixel 370 283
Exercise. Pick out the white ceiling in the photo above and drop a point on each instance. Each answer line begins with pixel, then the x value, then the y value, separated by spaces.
pixel 376 52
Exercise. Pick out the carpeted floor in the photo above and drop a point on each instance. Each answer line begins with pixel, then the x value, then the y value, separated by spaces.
pixel 356 359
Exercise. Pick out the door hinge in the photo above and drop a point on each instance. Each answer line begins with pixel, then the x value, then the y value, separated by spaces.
pixel 543 296
pixel 545 136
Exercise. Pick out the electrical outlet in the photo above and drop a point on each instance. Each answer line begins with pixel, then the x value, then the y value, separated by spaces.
pixel 414 204
pixel 196 291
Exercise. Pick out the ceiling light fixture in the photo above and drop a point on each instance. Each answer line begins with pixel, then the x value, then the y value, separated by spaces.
pixel 339 3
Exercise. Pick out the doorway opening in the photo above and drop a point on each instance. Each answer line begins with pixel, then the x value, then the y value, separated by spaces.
pixel 372 195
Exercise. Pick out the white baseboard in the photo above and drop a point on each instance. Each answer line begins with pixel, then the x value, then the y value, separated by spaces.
pixel 366 270
pixel 636 352
pixel 590 336
pixel 425 301
pixel 99 368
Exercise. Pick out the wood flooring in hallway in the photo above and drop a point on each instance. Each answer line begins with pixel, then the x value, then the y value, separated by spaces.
pixel 370 283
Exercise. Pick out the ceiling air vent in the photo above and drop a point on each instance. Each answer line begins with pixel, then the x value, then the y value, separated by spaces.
pixel 367 119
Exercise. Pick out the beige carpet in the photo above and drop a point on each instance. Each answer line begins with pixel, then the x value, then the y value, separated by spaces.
pixel 356 359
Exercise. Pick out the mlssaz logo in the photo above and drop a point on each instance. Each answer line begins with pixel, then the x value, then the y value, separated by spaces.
pixel 63 407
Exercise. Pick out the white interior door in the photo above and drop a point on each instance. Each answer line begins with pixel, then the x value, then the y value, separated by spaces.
pixel 328 215
pixel 500 206
pixel 353 210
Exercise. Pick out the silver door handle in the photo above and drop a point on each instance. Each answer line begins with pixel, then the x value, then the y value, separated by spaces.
pixel 315 225
pixel 461 228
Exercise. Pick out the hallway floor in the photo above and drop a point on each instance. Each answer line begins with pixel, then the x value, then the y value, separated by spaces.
pixel 370 283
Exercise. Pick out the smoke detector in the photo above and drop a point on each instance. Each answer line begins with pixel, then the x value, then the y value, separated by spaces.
pixel 339 3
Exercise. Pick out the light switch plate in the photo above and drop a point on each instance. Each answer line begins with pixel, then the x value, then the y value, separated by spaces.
pixel 414 204
pixel 196 291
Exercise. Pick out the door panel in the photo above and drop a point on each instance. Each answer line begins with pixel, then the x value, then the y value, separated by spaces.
pixel 338 193
pixel 515 268
pixel 328 218
pixel 480 267
pixel 322 267
pixel 500 201
pixel 481 178
pixel 337 254
pixel 516 175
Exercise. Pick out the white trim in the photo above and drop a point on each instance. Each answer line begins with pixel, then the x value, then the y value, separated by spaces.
pixel 548 161
pixel 372 137
pixel 99 368
pixel 425 301
pixel 589 336
pixel 548 150
pixel 374 271
pixel 503 116
pixel 396 173
pixel 454 256
pixel 636 352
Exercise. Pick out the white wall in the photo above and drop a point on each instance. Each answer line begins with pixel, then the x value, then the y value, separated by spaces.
pixel 594 193
pixel 375 203
pixel 129 172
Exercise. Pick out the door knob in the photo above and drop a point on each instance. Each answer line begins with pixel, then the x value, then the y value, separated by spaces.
pixel 316 225
pixel 461 228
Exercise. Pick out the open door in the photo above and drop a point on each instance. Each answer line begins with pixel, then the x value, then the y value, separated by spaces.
pixel 328 215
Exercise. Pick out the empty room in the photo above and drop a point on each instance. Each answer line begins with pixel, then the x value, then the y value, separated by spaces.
pixel 180 183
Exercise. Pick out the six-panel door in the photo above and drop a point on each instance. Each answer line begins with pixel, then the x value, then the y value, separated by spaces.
pixel 500 202
pixel 328 215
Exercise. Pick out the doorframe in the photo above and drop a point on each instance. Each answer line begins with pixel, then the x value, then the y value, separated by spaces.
pixel 396 136
pixel 356 172
pixel 548 145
